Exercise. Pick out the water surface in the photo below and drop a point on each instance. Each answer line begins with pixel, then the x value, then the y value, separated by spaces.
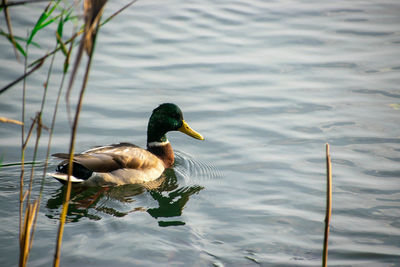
pixel 267 83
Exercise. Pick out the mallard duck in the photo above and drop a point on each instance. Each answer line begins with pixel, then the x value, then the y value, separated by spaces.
pixel 126 163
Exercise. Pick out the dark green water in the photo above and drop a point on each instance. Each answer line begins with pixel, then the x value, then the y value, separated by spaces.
pixel 267 83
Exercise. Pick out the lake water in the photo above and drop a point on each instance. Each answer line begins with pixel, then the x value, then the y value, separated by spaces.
pixel 267 83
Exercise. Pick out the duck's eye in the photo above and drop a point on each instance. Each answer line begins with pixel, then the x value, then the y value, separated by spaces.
pixel 176 116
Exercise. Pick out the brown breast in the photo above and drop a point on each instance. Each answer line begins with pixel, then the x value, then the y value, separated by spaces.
pixel 165 153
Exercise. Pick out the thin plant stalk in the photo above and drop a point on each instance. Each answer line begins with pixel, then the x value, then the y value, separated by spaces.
pixel 92 30
pixel 23 77
pixel 30 208
pixel 328 206
pixel 71 151
pixel 53 121
pixel 30 215
pixel 26 233
pixel 10 31
pixel 48 147
pixel 29 134
pixel 16 3
pixel 21 192
pixel 51 131
pixel 38 134
pixel 117 12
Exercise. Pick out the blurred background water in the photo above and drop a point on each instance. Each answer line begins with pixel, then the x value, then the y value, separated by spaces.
pixel 267 83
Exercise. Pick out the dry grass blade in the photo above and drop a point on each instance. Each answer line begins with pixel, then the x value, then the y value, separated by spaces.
pixel 93 11
pixel 9 27
pixel 29 133
pixel 26 234
pixel 328 205
pixel 6 120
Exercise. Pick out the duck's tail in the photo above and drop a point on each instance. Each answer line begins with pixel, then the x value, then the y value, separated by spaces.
pixel 79 173
pixel 63 178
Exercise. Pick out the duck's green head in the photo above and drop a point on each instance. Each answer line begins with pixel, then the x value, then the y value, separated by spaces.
pixel 168 117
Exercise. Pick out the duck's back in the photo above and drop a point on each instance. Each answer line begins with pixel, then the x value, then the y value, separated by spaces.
pixel 115 164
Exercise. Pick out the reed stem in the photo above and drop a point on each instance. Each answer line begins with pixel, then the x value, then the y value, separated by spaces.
pixel 22 195
pixel 328 205
pixel 48 147
pixel 63 215
pixel 71 153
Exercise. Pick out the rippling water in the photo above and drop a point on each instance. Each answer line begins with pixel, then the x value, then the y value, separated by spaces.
pixel 268 83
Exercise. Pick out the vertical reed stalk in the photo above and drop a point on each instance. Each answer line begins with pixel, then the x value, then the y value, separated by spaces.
pixel 93 11
pixel 71 153
pixel 328 205
pixel 53 121
pixel 21 185
pixel 38 134
pixel 27 234
pixel 48 144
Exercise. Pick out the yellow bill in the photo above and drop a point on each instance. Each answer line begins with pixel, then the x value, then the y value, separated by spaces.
pixel 189 131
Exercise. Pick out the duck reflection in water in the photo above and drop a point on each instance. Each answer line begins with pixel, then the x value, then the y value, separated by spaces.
pixel 92 202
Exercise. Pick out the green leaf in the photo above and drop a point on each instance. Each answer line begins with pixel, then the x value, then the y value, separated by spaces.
pixel 59 34
pixel 20 49
pixel 62 45
pixel 67 58
pixel 17 45
pixel 40 24
pixel 24 40
pixel 47 22
pixel 54 7
pixel 35 29
pixel 68 17
pixel 60 27
pixel 17 38
pixel 66 65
